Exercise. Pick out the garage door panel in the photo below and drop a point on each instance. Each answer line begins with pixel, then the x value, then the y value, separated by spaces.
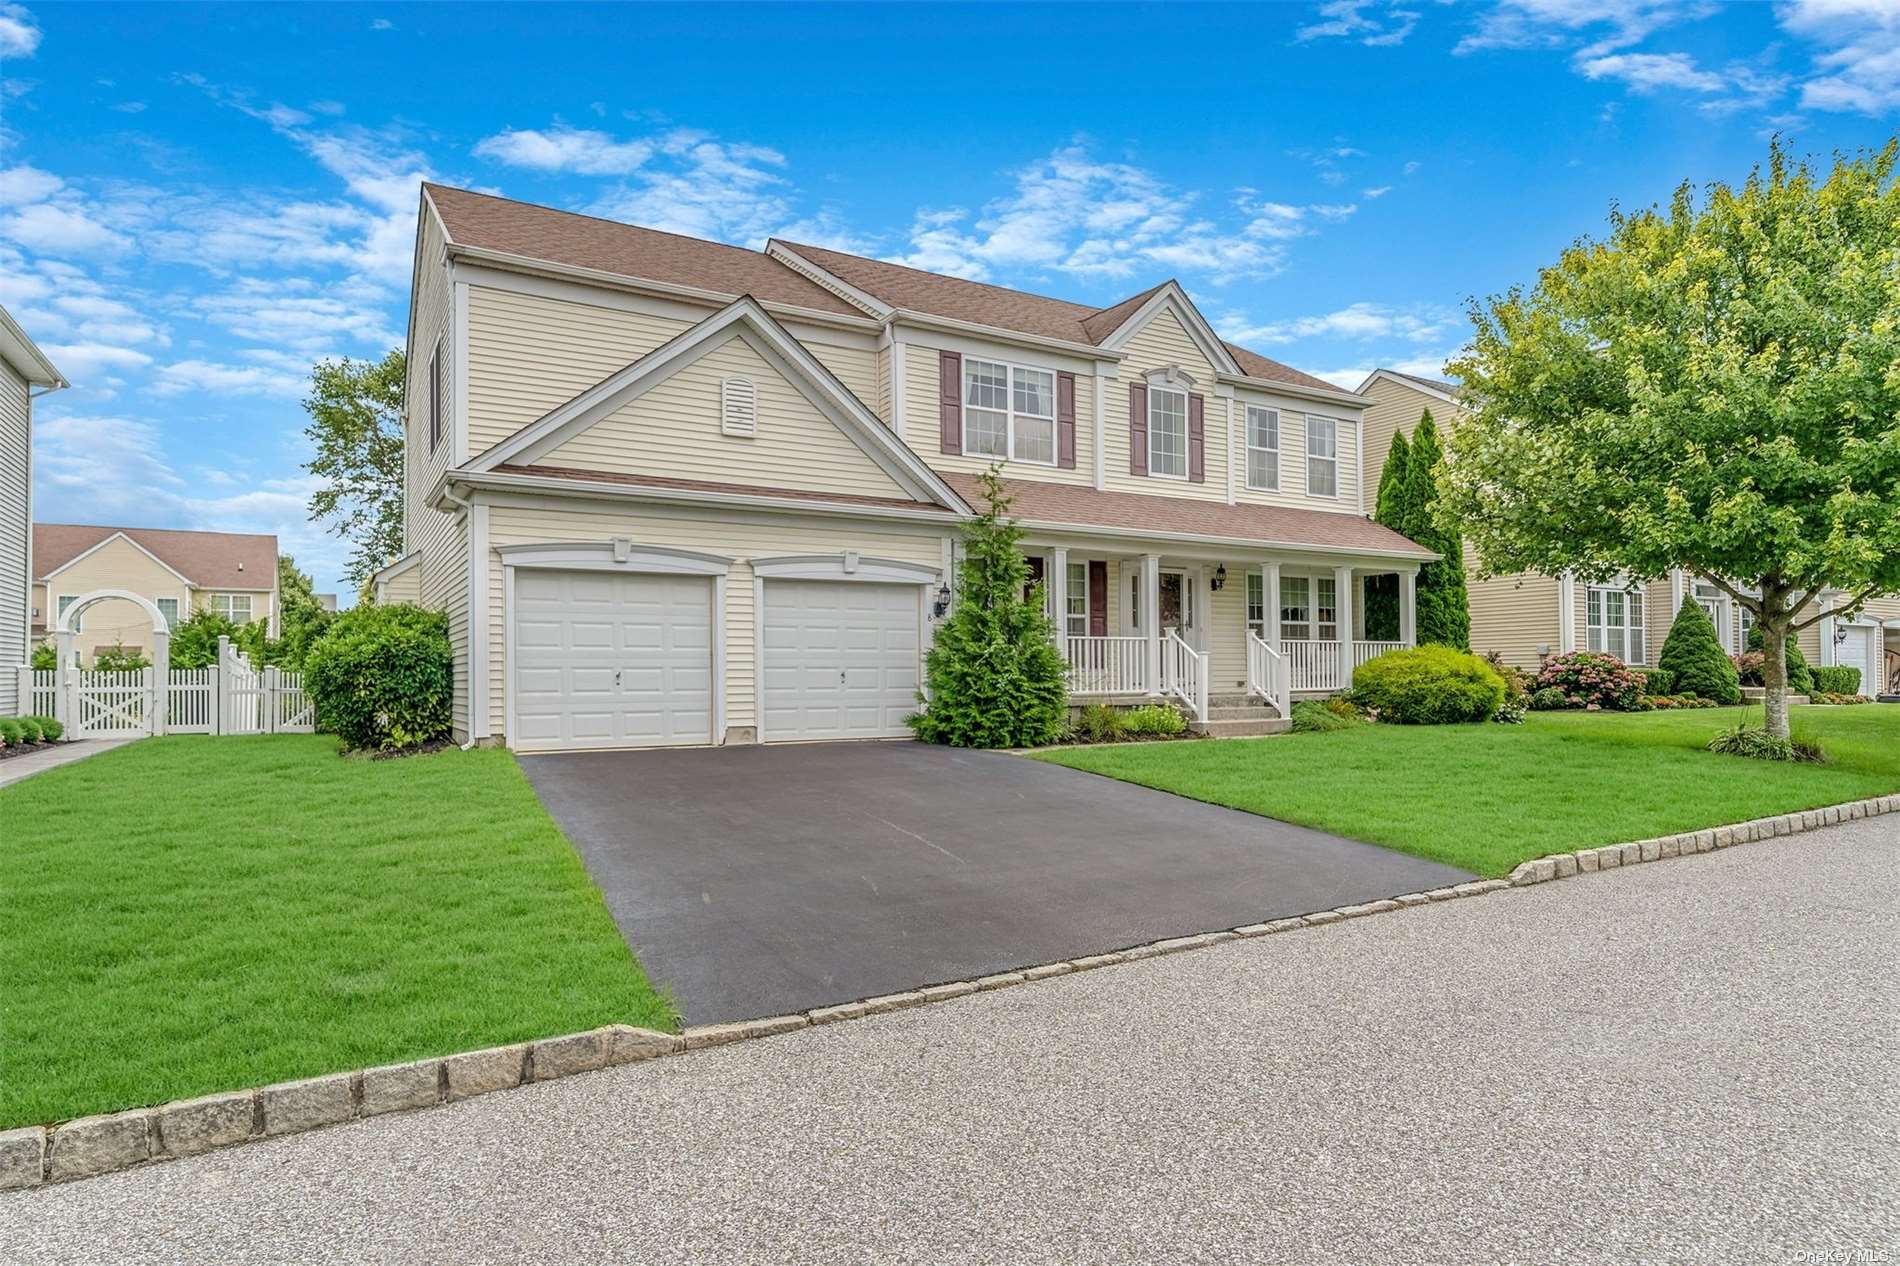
pixel 608 660
pixel 840 659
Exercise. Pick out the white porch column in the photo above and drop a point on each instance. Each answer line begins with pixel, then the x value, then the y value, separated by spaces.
pixel 1151 619
pixel 1566 613
pixel 1059 590
pixel 1342 616
pixel 1408 607
pixel 1270 608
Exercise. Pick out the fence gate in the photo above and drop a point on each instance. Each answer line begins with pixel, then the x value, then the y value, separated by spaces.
pixel 230 697
pixel 113 705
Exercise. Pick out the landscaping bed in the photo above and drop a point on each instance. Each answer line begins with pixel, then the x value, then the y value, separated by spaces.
pixel 193 914
pixel 1485 797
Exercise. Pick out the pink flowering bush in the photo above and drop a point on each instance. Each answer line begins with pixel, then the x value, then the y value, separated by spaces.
pixel 1593 681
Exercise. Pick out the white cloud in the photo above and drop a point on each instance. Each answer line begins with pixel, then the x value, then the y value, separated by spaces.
pixel 1858 57
pixel 1355 321
pixel 25 184
pixel 381 24
pixel 1378 191
pixel 1352 376
pixel 704 187
pixel 19 33
pixel 230 380
pixel 1073 213
pixel 1614 24
pixel 1646 72
pixel 564 148
pixel 62 230
pixel 313 324
pixel 1389 23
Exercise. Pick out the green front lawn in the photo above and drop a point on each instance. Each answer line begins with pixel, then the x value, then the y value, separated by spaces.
pixel 1486 797
pixel 194 914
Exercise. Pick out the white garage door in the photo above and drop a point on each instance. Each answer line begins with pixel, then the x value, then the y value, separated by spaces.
pixel 1858 652
pixel 605 659
pixel 840 659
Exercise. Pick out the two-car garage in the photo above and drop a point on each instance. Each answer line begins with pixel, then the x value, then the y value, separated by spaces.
pixel 632 650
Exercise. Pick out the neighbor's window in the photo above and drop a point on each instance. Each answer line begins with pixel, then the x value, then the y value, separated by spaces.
pixel 1322 456
pixel 1263 448
pixel 1167 432
pixel 67 600
pixel 1296 608
pixel 1614 619
pixel 1257 603
pixel 1009 411
pixel 235 607
pixel 1078 600
pixel 168 607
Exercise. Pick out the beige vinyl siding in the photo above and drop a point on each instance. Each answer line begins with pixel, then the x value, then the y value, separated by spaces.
pixel 1516 615
pixel 673 430
pixel 118 564
pixel 444 587
pixel 41 619
pixel 1395 408
pixel 1164 341
pixel 856 367
pixel 922 432
pixel 739 534
pixel 1293 472
pixel 404 587
pixel 16 443
pixel 1809 640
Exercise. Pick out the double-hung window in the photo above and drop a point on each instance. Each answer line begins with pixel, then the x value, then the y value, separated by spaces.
pixel 1614 619
pixel 1322 456
pixel 1009 412
pixel 1257 603
pixel 168 607
pixel 67 600
pixel 1325 609
pixel 1296 608
pixel 1167 432
pixel 235 607
pixel 1263 448
pixel 1076 618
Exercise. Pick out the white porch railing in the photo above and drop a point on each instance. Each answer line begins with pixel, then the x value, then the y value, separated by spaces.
pixel 1363 651
pixel 1107 665
pixel 1268 672
pixel 1184 674
pixel 1312 665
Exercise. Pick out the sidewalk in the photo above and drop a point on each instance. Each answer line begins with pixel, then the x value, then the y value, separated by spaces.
pixel 19 767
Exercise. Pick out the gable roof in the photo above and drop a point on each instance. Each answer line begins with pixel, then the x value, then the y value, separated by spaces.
pixel 19 351
pixel 1139 513
pixel 207 560
pixel 771 340
pixel 565 237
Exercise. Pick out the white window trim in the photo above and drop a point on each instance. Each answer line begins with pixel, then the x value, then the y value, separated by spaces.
pixel 1311 418
pixel 1252 448
pixel 230 606
pixel 1155 389
pixel 1312 622
pixel 1598 630
pixel 1010 370
pixel 171 617
pixel 1070 591
pixel 1259 627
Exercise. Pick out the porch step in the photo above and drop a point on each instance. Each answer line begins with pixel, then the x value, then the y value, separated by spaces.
pixel 1255 711
pixel 1216 728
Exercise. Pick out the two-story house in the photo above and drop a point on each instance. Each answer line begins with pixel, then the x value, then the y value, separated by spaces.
pixel 1527 617
pixel 25 374
pixel 672 492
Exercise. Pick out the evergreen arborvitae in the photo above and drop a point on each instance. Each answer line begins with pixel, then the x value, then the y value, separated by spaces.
pixel 1692 655
pixel 994 674
pixel 1444 611
pixel 1382 591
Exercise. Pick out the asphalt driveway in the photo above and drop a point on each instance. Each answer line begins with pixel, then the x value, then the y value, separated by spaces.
pixel 754 881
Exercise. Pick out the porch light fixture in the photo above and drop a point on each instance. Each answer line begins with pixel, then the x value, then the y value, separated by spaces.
pixel 942 604
pixel 1840 633
pixel 1220 578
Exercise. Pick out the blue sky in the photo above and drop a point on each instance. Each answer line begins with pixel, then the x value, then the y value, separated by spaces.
pixel 196 203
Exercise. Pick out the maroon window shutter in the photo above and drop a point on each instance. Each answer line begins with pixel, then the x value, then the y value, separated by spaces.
pixel 1138 428
pixel 1098 597
pixel 1065 421
pixel 1197 442
pixel 950 401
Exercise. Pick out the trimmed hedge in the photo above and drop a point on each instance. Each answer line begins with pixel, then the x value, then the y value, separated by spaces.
pixel 1430 685
pixel 382 675
pixel 1838 679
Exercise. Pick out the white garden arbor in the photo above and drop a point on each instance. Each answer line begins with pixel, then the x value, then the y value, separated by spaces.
pixel 114 706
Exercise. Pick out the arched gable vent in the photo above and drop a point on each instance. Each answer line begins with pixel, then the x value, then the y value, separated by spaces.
pixel 738 407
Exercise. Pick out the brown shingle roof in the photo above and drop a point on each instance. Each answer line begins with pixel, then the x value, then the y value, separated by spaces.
pixel 209 560
pixel 1039 502
pixel 1436 384
pixel 564 237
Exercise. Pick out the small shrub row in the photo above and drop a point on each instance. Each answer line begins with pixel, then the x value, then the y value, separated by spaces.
pixel 28 731
pixel 1100 723
pixel 1316 716
pixel 1665 702
pixel 1836 679
pixel 1836 697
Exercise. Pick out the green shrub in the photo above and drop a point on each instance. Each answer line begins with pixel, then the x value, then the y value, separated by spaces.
pixel 1838 679
pixel 1101 724
pixel 117 659
pixel 1549 699
pixel 1341 705
pixel 50 729
pixel 1155 720
pixel 1592 680
pixel 382 676
pixel 1658 681
pixel 1693 657
pixel 29 729
pixel 1429 685
pixel 1758 744
pixel 12 733
pixel 45 656
pixel 1310 716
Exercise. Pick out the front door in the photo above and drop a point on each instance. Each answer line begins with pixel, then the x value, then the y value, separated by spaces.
pixel 1177 604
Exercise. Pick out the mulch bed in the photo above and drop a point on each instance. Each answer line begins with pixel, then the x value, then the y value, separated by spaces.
pixel 23 749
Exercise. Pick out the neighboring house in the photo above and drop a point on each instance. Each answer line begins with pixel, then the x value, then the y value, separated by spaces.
pixel 179 572
pixel 671 491
pixel 1526 617
pixel 25 374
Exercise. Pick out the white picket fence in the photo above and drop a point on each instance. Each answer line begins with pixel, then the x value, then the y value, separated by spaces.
pixel 230 697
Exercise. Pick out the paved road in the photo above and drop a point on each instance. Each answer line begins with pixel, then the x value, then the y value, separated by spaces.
pixel 754 881
pixel 1691 1061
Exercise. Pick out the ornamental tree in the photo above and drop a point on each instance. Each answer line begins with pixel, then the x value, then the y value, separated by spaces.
pixel 1443 607
pixel 994 674
pixel 1712 387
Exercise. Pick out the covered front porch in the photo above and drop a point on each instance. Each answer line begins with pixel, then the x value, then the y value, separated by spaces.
pixel 1202 627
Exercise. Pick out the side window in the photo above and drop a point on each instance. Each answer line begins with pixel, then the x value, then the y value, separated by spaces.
pixel 435 396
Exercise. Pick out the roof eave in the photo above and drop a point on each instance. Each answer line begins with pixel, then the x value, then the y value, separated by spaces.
pixel 25 356
pixel 1234 542
pixel 1330 396
pixel 586 488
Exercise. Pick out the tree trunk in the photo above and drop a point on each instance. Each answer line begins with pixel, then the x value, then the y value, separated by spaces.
pixel 1774 667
